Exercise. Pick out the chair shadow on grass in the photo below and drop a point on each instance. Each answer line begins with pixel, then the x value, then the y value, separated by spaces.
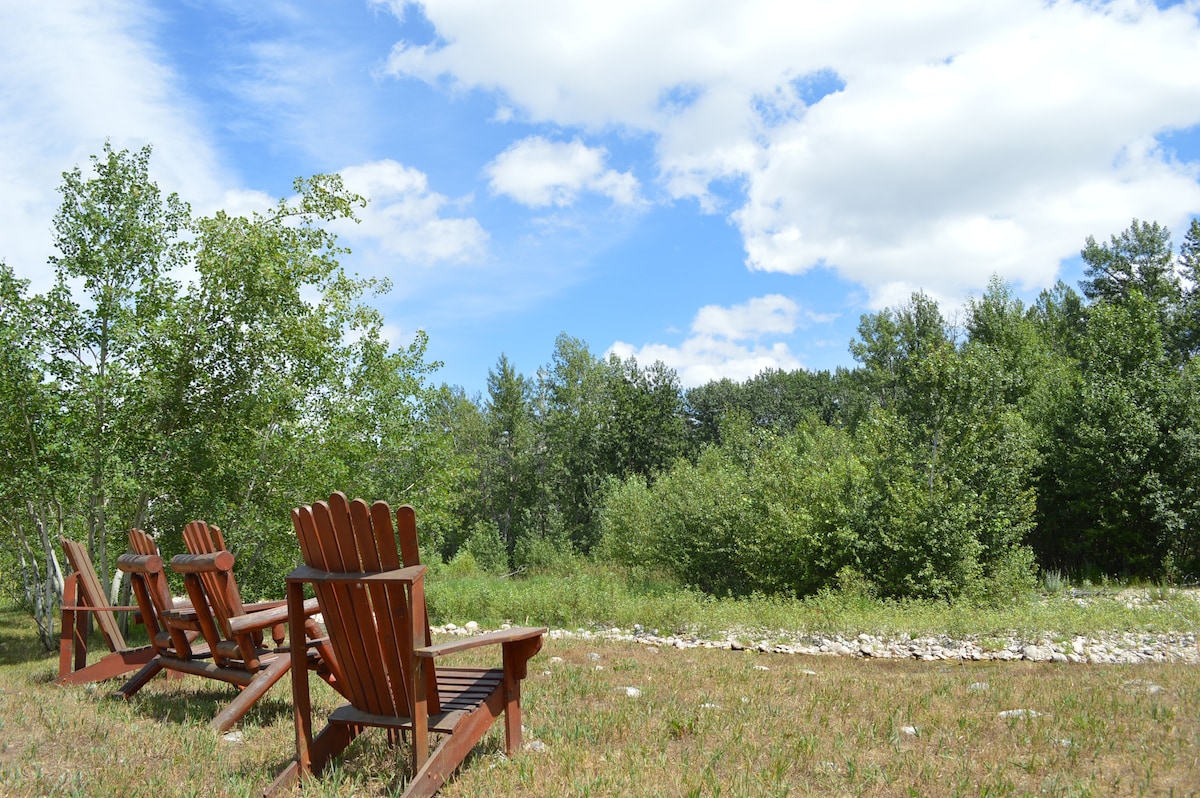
pixel 370 755
pixel 198 705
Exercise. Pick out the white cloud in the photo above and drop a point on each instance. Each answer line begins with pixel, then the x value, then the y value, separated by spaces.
pixel 772 314
pixel 538 172
pixel 727 342
pixel 76 73
pixel 964 139
pixel 403 216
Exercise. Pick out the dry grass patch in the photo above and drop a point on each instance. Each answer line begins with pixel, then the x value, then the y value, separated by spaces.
pixel 698 722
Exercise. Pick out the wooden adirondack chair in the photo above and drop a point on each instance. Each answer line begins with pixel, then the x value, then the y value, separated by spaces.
pixel 172 625
pixel 201 538
pixel 232 637
pixel 84 596
pixel 374 608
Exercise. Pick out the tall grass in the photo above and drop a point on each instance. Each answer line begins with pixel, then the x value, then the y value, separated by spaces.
pixel 586 595
pixel 702 722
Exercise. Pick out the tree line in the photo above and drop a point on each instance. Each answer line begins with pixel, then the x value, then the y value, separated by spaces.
pixel 228 368
pixel 955 460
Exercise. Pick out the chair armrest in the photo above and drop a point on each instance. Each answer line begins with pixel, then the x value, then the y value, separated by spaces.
pixel 502 636
pixel 90 608
pixel 209 562
pixel 264 619
pixel 259 606
pixel 405 576
pixel 179 614
pixel 140 563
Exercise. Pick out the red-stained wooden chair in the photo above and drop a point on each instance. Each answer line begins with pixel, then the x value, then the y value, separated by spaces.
pixel 373 601
pixel 84 596
pixel 214 636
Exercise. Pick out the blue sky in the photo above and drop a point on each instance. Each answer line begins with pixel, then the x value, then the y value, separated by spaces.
pixel 725 186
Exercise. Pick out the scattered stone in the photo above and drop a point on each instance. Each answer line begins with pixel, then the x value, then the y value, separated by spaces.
pixel 911 731
pixel 1109 649
pixel 232 737
pixel 808 673
pixel 536 747
pixel 761 668
pixel 593 656
pixel 631 692
pixel 1142 686
pixel 709 705
pixel 979 687
pixel 1020 713
pixel 471 627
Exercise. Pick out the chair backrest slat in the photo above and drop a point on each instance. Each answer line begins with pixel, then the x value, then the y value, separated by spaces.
pixel 365 625
pixel 153 594
pixel 158 588
pixel 376 552
pixel 220 588
pixel 92 593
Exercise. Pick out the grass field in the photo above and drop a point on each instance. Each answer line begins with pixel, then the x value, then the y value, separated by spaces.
pixel 613 718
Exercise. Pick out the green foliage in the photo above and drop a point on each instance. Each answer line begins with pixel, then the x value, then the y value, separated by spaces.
pixel 486 549
pixel 262 383
pixel 1138 259
pixel 936 469
pixel 1123 433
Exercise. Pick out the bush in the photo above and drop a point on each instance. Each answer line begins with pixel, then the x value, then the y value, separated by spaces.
pixel 486 548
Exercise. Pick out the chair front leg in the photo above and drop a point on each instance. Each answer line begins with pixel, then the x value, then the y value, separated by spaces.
pixel 420 713
pixel 70 635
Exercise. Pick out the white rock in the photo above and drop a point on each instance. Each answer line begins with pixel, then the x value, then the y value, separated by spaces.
pixel 631 692
pixel 911 731
pixel 232 737
pixel 471 627
pixel 536 747
pixel 593 656
pixel 761 668
pixel 1142 686
pixel 556 660
pixel 979 687
pixel 1020 713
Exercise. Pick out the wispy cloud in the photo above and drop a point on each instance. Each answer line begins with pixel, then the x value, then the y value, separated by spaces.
pixel 76 73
